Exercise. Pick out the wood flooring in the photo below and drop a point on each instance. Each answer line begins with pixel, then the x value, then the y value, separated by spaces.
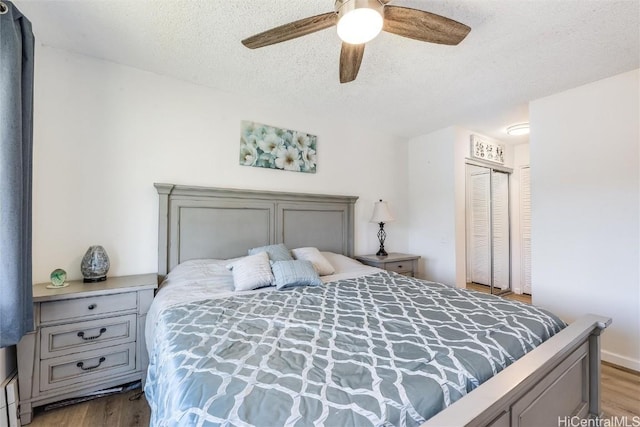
pixel 485 289
pixel 620 398
pixel 118 410
pixel 620 389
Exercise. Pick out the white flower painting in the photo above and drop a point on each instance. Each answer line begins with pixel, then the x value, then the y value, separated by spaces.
pixel 270 147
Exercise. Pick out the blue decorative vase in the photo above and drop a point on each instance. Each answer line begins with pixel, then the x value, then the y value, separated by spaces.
pixel 95 264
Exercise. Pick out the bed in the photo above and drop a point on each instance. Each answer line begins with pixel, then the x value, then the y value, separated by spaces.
pixel 367 347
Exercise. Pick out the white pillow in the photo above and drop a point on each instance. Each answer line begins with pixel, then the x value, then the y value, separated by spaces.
pixel 320 263
pixel 341 263
pixel 251 272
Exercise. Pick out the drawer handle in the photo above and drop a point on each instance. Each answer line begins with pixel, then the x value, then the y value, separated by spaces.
pixel 400 266
pixel 102 331
pixel 81 364
pixel 92 306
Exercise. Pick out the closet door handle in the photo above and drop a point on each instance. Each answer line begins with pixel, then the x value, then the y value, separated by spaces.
pixel 88 368
pixel 102 331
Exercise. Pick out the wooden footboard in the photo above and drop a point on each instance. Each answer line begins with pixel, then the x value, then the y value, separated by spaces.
pixel 546 387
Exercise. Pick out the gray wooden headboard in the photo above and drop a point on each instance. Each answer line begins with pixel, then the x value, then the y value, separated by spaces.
pixel 200 222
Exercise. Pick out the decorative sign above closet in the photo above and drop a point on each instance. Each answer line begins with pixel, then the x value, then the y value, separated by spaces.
pixel 487 150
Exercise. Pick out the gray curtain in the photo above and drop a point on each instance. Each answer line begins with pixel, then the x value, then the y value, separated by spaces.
pixel 16 142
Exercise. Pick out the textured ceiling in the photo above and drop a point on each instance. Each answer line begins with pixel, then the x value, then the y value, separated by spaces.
pixel 517 51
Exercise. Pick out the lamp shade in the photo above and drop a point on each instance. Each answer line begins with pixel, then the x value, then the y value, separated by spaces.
pixel 381 212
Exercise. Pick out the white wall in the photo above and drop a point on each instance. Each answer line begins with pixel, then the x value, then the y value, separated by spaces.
pixel 520 159
pixel 432 205
pixel 104 133
pixel 586 208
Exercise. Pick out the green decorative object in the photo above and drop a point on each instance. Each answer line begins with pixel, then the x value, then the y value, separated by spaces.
pixel 58 276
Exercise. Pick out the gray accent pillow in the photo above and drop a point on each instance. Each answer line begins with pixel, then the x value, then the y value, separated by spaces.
pixel 277 252
pixel 294 273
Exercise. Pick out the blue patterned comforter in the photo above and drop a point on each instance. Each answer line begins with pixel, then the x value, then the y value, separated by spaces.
pixel 377 350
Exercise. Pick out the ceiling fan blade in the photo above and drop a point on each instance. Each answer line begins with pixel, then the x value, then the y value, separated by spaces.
pixel 424 26
pixel 350 60
pixel 292 30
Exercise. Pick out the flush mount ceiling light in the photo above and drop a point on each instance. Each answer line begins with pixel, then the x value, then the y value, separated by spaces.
pixel 359 21
pixel 519 129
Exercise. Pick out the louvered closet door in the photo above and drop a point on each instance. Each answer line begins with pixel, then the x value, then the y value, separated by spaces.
pixel 525 227
pixel 480 251
pixel 500 226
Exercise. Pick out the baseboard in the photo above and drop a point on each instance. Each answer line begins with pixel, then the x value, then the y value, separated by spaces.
pixel 625 362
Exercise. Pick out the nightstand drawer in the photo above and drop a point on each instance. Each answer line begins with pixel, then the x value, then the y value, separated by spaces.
pixel 54 311
pixel 399 267
pixel 87 366
pixel 405 264
pixel 84 336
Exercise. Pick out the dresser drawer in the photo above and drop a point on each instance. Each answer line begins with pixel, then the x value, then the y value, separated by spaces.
pixel 401 267
pixel 87 366
pixel 88 335
pixel 55 311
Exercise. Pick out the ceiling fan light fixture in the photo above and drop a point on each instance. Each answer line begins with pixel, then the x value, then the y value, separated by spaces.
pixel 359 20
pixel 519 129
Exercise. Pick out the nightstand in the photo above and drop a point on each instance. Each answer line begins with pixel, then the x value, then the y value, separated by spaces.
pixel 400 263
pixel 87 337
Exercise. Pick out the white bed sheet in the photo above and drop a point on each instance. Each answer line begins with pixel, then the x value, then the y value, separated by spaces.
pixel 201 279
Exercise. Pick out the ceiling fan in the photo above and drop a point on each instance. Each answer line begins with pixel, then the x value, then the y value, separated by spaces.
pixel 358 22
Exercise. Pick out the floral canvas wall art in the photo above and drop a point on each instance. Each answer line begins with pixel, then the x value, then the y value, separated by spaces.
pixel 266 146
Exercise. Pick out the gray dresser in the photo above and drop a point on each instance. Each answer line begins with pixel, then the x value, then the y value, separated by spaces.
pixel 87 337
